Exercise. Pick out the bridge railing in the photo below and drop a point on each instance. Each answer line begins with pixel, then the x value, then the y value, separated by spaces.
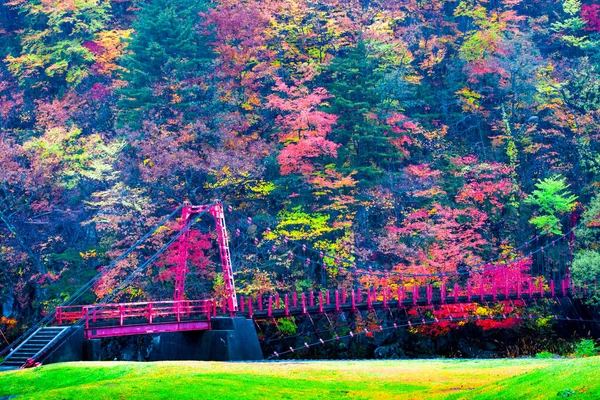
pixel 287 304
pixel 135 313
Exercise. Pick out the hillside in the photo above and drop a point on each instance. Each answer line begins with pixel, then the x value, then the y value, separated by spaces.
pixel 415 137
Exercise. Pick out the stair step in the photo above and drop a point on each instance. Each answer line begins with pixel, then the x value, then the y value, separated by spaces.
pixel 9 364
pixel 25 353
pixel 18 360
pixel 30 348
pixel 20 351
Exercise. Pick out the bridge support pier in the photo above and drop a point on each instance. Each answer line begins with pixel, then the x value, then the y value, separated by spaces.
pixel 92 350
pixel 230 339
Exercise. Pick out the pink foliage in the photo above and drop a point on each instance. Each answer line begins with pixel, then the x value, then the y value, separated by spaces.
pixel 447 238
pixel 93 47
pixel 99 92
pixel 590 13
pixel 198 243
pixel 302 127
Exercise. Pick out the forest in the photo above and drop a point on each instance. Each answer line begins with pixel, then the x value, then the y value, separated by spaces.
pixel 414 136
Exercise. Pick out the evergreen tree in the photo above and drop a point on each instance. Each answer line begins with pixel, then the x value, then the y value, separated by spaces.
pixel 166 61
pixel 361 128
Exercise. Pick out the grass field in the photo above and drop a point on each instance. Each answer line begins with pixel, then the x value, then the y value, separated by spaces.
pixel 410 379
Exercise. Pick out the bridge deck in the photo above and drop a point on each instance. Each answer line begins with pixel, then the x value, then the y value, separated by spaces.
pixel 186 315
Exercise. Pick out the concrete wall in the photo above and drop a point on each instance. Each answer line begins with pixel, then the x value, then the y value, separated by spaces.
pixel 231 339
pixel 70 350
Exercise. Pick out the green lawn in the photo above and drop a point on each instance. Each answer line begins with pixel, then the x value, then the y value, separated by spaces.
pixel 411 379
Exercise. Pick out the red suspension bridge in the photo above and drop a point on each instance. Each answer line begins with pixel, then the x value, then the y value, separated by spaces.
pixel 405 293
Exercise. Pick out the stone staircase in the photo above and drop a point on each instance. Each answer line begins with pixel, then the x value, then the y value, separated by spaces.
pixel 31 347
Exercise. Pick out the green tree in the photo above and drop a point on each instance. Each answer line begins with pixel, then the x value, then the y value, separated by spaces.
pixel 53 54
pixel 553 198
pixel 362 130
pixel 165 63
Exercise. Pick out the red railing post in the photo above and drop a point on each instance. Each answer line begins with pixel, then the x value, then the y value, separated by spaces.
pixel 320 302
pixel 337 301
pixel 270 307
pixel 353 301
pixel 429 294
pixel 343 296
pixel 455 293
pixel 469 292
pixel 242 304
pixel 443 293
pixel 250 311
pixel 86 316
pixel 295 299
pixel 260 303
pixel 327 302
pixel 304 312
pixel 415 294
pixel 149 313
pixel 385 299
pixel 369 300
pixel 311 299
pixel 286 304
pixel 530 288
pixel 59 315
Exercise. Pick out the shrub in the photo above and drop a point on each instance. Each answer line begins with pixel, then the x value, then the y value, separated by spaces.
pixel 586 348
pixel 287 327
pixel 544 354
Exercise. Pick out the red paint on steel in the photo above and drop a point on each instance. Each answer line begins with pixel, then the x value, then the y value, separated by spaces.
pixel 270 307
pixel 415 294
pixel 429 294
pixel 109 331
pixel 443 293
pixel 469 292
pixel 286 304
pixel 320 302
pixel 455 293
pixel 304 304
